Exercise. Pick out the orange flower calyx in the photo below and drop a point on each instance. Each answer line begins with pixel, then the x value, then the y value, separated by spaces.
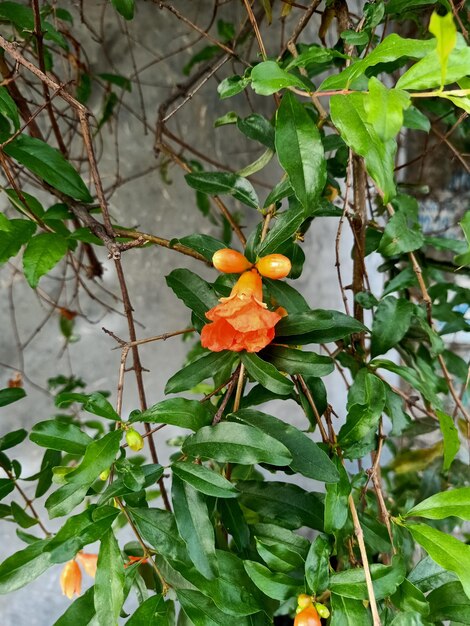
pixel 89 562
pixel 241 321
pixel 230 261
pixel 71 579
pixel 307 617
pixel 274 266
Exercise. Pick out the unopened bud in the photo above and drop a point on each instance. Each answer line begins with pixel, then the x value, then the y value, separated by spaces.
pixel 322 610
pixel 105 474
pixel 230 261
pixel 274 266
pixel 134 440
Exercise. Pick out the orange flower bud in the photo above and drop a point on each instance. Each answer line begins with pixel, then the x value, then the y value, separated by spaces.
pixel 71 579
pixel 230 261
pixel 307 617
pixel 134 440
pixel 88 562
pixel 274 266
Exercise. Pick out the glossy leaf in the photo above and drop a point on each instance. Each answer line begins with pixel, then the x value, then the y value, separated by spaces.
pixel 317 572
pixel 350 118
pixel 275 585
pixel 180 412
pixel 13 234
pixel 42 253
pixel 11 394
pixel 109 581
pixel 336 500
pixel 81 612
pixel 385 108
pixel 219 183
pixel 349 612
pixel 125 8
pixel 317 326
pixel 308 458
pixel 391 322
pixel 204 480
pixel 195 292
pixel 268 78
pixel 49 164
pixel 446 550
pixel 300 151
pixel 203 612
pixel 158 528
pixel 60 436
pixel 199 370
pixel 449 602
pixel 295 361
pixel 451 438
pixel 399 237
pixel 266 374
pixel 24 566
pixel 194 526
pixel 8 108
pixel 204 244
pixel 258 128
pixel 452 503
pixel 284 229
pixel 236 443
pixel 385 578
pixel 443 28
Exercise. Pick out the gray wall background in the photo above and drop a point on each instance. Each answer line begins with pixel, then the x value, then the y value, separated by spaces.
pixel 167 210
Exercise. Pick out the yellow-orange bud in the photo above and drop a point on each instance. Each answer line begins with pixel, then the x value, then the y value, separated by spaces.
pixel 274 266
pixel 134 440
pixel 230 261
pixel 303 601
pixel 71 579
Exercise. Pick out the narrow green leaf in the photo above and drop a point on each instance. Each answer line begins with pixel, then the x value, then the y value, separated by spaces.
pixel 204 244
pixel 199 370
pixel 60 436
pixel 266 374
pixel 258 128
pixel 284 229
pixel 391 322
pixel 12 439
pixel 278 586
pixel 336 500
pixel 13 234
pixel 204 480
pixel 295 361
pixel 158 528
pixel 195 292
pixel 348 612
pixel 446 550
pixel 385 109
pixel 399 237
pixel 443 28
pixel 317 565
pixel 385 578
pixel 152 612
pixel 317 326
pixel 300 151
pixel 11 394
pixel 8 108
pixel 195 527
pixel 308 458
pixel 451 438
pixel 65 499
pixel 268 78
pixel 350 118
pixel 109 581
pixel 228 442
pixel 49 164
pixel 81 612
pixel 455 502
pixel 125 8
pixel 203 612
pixel 291 506
pixel 219 183
pixel 42 253
pixel 24 566
pixel 98 457
pixel 180 412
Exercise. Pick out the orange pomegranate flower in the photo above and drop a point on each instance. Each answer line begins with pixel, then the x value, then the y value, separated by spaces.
pixel 71 579
pixel 88 562
pixel 241 321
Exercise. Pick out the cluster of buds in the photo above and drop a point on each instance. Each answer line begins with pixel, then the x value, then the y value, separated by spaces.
pixel 275 266
pixel 308 612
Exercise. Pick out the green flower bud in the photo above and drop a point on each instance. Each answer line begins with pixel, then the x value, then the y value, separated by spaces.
pixel 134 440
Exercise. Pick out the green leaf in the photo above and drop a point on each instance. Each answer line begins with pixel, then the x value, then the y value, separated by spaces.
pixel 199 370
pixel 158 528
pixel 266 374
pixel 449 602
pixel 42 253
pixel 409 598
pixel 12 439
pixel 258 128
pixel 236 443
pixel 295 361
pixel 234 522
pixel 154 611
pixel 399 237
pixel 284 229
pixel 116 79
pixel 81 612
pixel 195 292
pixel 284 295
pixel 66 437
pixel 427 73
pixel 8 108
pixel 204 244
pixel 49 164
pixel 291 506
pixel 451 438
pixel 9 395
pixel 13 234
pixel 204 480
pixel 232 85
pixel 349 115
pixel 98 457
pixel 308 458
pixel 385 578
pixel 317 565
pixel 218 183
pixel 21 517
pixel 109 581
pixel 385 109
pixel 317 326
pixel 428 575
pixel 413 118
pixel 98 405
pixel 125 8
pixel 446 550
pixel 24 566
pixel 389 50
pixel 336 500
pixel 464 259
pixel 278 557
pixel 300 151
pixel 268 78
pixel 348 612
pixel 443 28
pixel 278 586
pixel 203 612
pixel 391 323
pixel 194 526
pixel 455 502
pixel 180 412
pixel 66 498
